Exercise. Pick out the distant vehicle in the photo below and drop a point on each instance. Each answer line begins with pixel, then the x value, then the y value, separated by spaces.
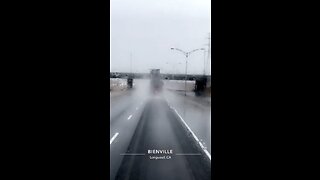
pixel 156 82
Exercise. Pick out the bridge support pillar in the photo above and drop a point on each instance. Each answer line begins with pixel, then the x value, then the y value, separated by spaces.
pixel 130 83
pixel 200 86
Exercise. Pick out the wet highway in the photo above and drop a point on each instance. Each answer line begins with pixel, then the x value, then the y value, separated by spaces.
pixel 162 136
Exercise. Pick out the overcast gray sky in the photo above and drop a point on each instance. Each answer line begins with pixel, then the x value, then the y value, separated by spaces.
pixel 149 28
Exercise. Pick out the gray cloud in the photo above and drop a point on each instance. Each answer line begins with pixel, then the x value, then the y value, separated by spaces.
pixel 148 28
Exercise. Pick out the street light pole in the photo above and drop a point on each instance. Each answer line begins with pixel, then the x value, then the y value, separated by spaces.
pixel 204 62
pixel 131 62
pixel 185 80
pixel 187 55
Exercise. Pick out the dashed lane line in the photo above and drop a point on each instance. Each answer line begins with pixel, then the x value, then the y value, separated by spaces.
pixel 113 138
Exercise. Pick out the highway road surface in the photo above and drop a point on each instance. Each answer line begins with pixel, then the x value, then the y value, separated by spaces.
pixel 151 138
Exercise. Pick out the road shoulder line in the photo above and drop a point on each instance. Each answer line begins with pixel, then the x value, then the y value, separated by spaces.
pixel 194 136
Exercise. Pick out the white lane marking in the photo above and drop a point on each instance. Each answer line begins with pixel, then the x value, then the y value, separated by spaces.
pixel 129 117
pixel 114 137
pixel 133 154
pixel 194 136
pixel 188 154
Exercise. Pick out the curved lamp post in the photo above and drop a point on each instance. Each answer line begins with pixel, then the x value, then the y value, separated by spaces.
pixel 186 54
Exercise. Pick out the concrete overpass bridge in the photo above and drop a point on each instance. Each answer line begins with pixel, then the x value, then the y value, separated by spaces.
pixel 202 82
pixel 163 76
